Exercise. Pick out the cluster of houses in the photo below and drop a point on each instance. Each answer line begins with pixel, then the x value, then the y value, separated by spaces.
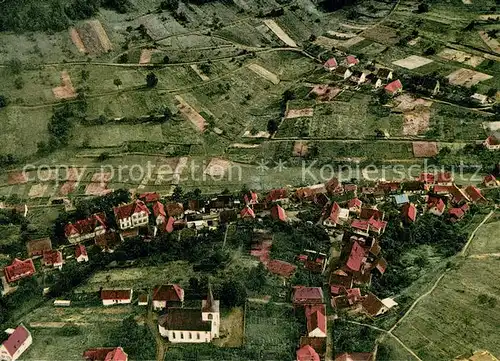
pixel 178 324
pixel 346 70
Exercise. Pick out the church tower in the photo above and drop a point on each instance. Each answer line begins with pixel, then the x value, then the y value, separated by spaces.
pixel 210 312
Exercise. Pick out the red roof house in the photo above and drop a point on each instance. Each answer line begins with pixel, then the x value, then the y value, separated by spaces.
pixel 251 198
pixel 171 295
pixel 333 186
pixel 351 60
pixel 355 356
pixel 307 353
pixel 303 295
pixel 175 209
pixel 278 213
pixel 132 215
pixel 281 268
pixel 435 206
pixel 444 178
pixel 456 213
pixel 330 64
pixel 15 345
pixel 247 213
pixel 81 253
pixel 426 178
pixel 490 181
pixel 112 297
pixel 277 195
pixel 87 228
pixel 357 256
pixel 149 197
pixel 475 195
pixel 409 212
pixel 19 269
pixel 394 87
pixel 53 258
pixel 367 213
pixel 316 320
pixel 458 195
pixel 36 247
pixel 105 354
pixel 492 143
pixel 354 205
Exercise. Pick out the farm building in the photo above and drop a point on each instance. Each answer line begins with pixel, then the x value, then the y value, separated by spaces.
pixel 19 269
pixel 115 297
pixel 167 296
pixel 86 229
pixel 105 354
pixel 14 346
pixel 53 258
pixel 394 87
pixel 36 247
pixel 132 215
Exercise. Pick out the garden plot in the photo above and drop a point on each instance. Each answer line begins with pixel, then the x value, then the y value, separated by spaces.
pixel 99 184
pixel 154 27
pixel 276 29
pixel 146 56
pixel 191 114
pixel 94 38
pixel 327 43
pixel 325 92
pixel 264 73
pixel 425 149
pixel 382 34
pixel 38 190
pixel 493 44
pixel 340 35
pixel 412 62
pixel 467 77
pixel 416 114
pixel 199 72
pixel 75 38
pixel 299 113
pixel 66 90
pixel 300 149
pixel 217 167
pixel 461 57
pixel 351 42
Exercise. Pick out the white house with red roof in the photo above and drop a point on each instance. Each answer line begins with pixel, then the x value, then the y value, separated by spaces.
pixel 19 269
pixel 132 215
pixel 475 194
pixel 81 254
pixel 86 229
pixel 492 143
pixel 247 213
pixel 18 342
pixel 394 87
pixel 251 198
pixel 303 295
pixel 435 205
pixel 53 258
pixel 337 216
pixel 331 64
pixel 116 297
pixel 105 354
pixel 316 320
pixel 278 213
pixel 167 295
pixel 409 212
pixel 354 205
pixel 351 60
pixel 307 353
pixel 491 181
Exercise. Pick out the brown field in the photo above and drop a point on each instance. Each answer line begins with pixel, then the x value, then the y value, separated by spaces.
pixel 408 103
pixel 416 121
pixel 264 73
pixel 412 62
pixel 101 177
pixel 97 189
pixel 145 56
pixel 17 178
pixel 298 113
pixel 461 57
pixel 67 188
pixel 467 77
pixel 353 41
pixel 275 28
pixel 425 149
pixel 66 90
pixel 492 43
pixel 325 92
pixel 94 37
pixel 382 34
pixel 217 167
pixel 327 42
pixel 300 149
pixel 191 114
pixel 75 38
pixel 231 329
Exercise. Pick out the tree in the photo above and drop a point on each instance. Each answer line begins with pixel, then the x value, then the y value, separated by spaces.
pixel 177 193
pixel 3 101
pixel 151 80
pixel 257 278
pixel 15 66
pixel 118 83
pixel 422 8
pixel 272 126
pixel 166 59
pixel 233 293
pixel 19 83
pixel 171 5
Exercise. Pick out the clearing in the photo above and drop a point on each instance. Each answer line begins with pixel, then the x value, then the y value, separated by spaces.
pixel 461 57
pixel 264 73
pixel 424 149
pixel 191 114
pixel 66 90
pixel 412 62
pixel 467 77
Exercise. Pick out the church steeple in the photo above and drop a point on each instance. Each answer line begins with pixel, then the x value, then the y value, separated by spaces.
pixel 209 305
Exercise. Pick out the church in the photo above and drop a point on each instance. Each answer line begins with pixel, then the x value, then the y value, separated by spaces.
pixel 191 325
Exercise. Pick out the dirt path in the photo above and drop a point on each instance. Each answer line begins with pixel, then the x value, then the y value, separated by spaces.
pixel 161 347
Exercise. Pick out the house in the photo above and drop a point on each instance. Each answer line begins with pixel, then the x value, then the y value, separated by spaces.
pixel 167 295
pixel 16 344
pixel 317 343
pixel 278 213
pixel 355 356
pixel 115 297
pixel 282 269
pixel 458 196
pixel 81 253
pixel 331 64
pixel 384 74
pixel 441 189
pixel 340 281
pixel 105 354
pixel 307 353
pixel 175 210
pixel 456 214
pixel 316 320
pixel 427 178
pixel 108 241
pixel 354 205
pixel 351 189
pixel 247 213
pixel 149 197
pixel 85 229
pixel 159 215
pixel 343 72
pixel 492 143
pixel 349 297
pixel 364 227
pixel 53 258
pixel 490 181
pixel 277 195
pixel 334 187
pixel 401 199
pixel 480 98
pixel 36 247
pixel 338 216
pixel 389 187
pixel 19 269
pixel 351 60
pixel 143 299
pixel 251 198
pixel 444 178
pixel 373 306
pixel 132 215
pixel 192 325
pixel 394 87
pixel 314 261
pixel 367 213
pixel 303 295
pixel 475 194
pixel 357 257
pixel 309 193
pixel 435 205
pixel 409 212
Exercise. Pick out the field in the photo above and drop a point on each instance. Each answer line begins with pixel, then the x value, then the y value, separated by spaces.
pixel 460 314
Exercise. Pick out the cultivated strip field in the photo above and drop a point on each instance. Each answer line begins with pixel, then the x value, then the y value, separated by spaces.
pixel 275 28
pixel 264 73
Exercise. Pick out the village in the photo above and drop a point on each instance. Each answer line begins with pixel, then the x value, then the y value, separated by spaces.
pixel 351 214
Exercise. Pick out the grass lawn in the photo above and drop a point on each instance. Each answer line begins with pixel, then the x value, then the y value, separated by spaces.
pixel 459 316
pixel 486 240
